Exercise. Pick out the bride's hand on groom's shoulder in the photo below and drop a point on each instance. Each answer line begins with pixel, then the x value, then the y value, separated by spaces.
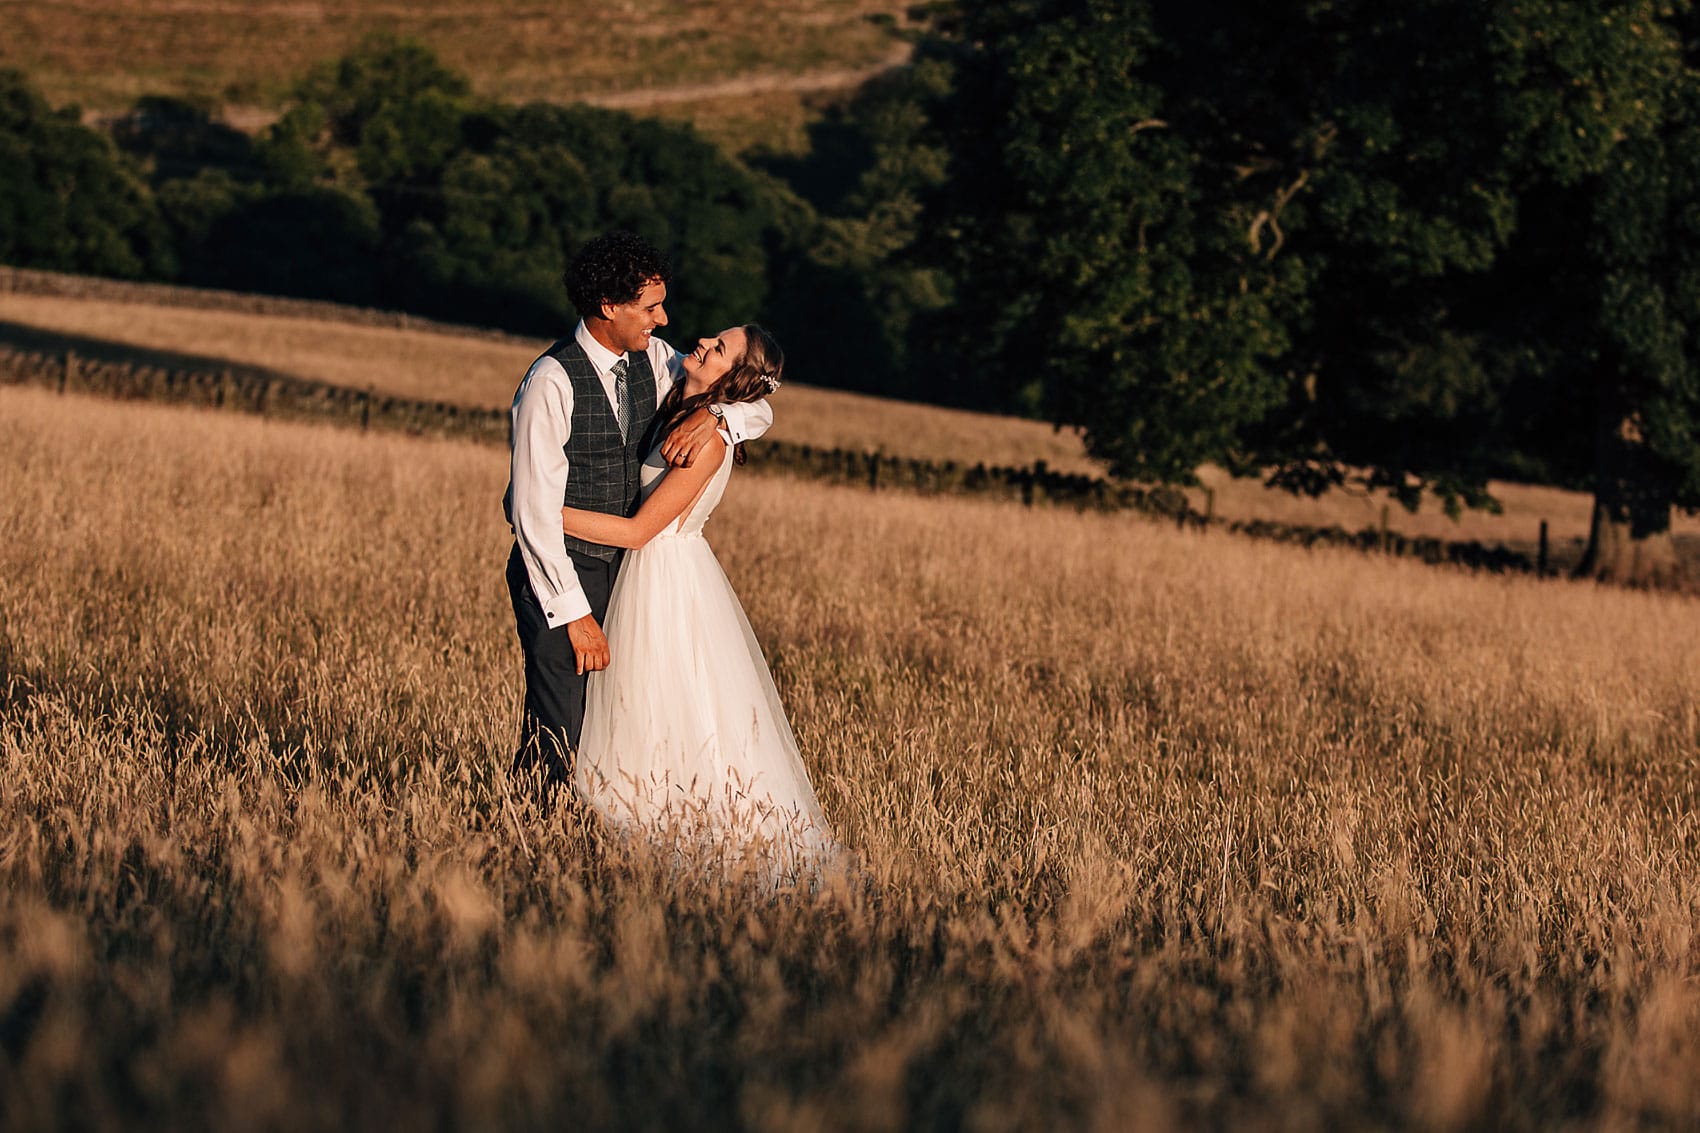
pixel 685 443
pixel 590 645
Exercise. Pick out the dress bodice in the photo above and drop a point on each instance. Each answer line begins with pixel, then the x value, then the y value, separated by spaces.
pixel 655 469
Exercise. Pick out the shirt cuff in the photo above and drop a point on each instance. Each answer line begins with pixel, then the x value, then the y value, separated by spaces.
pixel 565 608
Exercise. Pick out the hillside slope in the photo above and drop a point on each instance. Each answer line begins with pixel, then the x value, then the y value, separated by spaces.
pixel 365 350
pixel 745 61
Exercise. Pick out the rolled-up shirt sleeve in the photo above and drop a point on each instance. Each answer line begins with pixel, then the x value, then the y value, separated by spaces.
pixel 748 420
pixel 542 423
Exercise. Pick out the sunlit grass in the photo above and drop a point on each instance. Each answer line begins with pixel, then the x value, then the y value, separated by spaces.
pixel 1160 828
pixel 483 371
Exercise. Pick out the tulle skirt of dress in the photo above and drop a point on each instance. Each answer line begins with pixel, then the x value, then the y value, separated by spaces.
pixel 685 740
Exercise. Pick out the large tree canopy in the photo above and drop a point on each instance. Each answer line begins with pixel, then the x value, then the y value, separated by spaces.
pixel 1325 240
pixel 1099 274
pixel 1604 278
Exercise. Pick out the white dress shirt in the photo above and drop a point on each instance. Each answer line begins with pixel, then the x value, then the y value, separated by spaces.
pixel 542 422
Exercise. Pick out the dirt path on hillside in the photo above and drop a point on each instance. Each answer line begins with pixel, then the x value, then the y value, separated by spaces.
pixel 809 82
pixel 253 119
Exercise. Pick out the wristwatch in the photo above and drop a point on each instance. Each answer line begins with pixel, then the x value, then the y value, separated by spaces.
pixel 718 412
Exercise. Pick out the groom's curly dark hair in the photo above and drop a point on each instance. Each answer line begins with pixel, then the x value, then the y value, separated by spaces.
pixel 614 267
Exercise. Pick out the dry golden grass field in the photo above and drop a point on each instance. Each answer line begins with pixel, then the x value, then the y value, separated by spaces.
pixel 1161 829
pixel 482 370
pixel 747 69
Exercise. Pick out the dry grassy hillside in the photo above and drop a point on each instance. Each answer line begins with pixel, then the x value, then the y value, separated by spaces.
pixel 1160 829
pixel 482 371
pixel 728 65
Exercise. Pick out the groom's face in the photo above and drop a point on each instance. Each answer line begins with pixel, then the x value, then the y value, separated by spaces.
pixel 630 324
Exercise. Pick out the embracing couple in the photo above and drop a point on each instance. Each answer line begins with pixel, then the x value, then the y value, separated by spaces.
pixel 645 690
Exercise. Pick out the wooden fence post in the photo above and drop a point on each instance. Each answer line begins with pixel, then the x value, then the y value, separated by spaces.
pixel 1541 559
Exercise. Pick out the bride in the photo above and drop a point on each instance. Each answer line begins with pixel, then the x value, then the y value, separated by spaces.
pixel 684 732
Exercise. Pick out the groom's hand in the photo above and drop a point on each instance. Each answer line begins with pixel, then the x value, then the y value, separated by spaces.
pixel 589 644
pixel 685 442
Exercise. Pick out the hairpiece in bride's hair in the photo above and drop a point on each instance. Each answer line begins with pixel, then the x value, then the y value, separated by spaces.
pixel 771 381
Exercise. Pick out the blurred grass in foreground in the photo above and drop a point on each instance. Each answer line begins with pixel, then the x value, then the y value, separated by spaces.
pixel 1163 829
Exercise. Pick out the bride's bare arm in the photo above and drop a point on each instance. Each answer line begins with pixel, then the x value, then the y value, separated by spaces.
pixel 676 492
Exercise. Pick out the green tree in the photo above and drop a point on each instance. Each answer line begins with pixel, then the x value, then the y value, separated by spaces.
pixel 719 222
pixel 174 137
pixel 1647 238
pixel 846 288
pixel 318 242
pixel 69 201
pixel 1316 238
pixel 1569 356
pixel 480 205
pixel 386 114
pixel 493 248
pixel 1609 388
pixel 1098 276
pixel 494 231
pixel 1375 157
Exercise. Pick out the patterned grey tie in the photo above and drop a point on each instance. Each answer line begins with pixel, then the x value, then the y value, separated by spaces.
pixel 622 398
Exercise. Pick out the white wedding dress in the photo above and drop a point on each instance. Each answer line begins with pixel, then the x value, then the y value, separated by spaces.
pixel 684 736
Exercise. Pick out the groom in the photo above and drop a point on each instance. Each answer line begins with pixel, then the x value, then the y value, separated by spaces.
pixel 578 438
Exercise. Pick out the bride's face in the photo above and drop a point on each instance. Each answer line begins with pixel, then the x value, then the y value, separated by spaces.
pixel 712 357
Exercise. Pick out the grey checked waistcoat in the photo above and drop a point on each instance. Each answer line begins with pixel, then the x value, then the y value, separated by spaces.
pixel 602 470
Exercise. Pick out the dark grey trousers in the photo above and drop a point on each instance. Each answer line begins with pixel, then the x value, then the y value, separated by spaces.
pixel 554 691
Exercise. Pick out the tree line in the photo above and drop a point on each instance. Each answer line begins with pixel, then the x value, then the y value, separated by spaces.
pixel 386 183
pixel 1336 242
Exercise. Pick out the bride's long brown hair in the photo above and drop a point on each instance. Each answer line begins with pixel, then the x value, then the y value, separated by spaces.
pixel 750 378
